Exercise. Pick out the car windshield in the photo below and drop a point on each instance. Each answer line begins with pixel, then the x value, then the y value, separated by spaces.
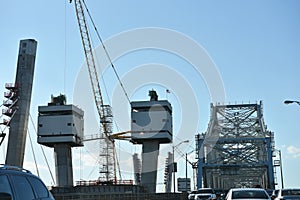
pixel 249 194
pixel 290 192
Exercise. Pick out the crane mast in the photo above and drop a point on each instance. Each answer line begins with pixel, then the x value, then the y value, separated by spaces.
pixel 104 111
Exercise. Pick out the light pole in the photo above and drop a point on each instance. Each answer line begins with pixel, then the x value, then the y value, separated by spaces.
pixel 291 101
pixel 173 171
pixel 281 173
pixel 186 166
pixel 186 171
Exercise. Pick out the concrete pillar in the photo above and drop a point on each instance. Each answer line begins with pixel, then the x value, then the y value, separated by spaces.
pixel 149 165
pixel 19 122
pixel 63 165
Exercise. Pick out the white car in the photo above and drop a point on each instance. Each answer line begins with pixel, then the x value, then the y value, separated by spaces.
pixel 247 193
pixel 192 195
pixel 205 194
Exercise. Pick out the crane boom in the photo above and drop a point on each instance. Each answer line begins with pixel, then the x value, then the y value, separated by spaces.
pixel 93 74
pixel 90 61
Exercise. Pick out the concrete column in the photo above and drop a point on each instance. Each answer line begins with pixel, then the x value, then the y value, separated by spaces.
pixel 63 165
pixel 149 165
pixel 19 122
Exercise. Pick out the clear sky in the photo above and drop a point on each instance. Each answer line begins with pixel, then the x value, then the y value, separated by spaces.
pixel 254 45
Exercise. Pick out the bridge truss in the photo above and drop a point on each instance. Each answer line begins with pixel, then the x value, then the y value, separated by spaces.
pixel 236 150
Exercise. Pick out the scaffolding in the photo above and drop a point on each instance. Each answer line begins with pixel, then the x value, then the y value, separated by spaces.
pixel 137 168
pixel 107 159
pixel 236 150
pixel 168 172
pixel 10 110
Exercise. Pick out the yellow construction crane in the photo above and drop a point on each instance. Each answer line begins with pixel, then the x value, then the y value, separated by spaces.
pixel 103 110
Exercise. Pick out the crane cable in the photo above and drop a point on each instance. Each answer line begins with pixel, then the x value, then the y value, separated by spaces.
pixel 106 52
pixel 33 154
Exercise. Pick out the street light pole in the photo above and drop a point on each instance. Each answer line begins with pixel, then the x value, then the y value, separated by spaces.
pixel 281 173
pixel 173 171
pixel 186 171
pixel 186 167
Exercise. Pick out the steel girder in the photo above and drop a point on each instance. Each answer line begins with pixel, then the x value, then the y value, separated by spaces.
pixel 236 150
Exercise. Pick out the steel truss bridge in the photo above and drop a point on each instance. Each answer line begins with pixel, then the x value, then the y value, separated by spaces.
pixel 236 150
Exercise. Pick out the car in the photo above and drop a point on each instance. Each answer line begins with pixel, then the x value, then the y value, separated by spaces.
pixel 19 184
pixel 247 193
pixel 192 195
pixel 287 194
pixel 205 193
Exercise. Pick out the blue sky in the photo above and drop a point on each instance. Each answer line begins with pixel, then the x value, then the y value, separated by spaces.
pixel 254 45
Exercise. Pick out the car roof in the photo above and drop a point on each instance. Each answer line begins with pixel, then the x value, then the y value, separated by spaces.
pixel 8 169
pixel 247 189
pixel 15 168
pixel 290 189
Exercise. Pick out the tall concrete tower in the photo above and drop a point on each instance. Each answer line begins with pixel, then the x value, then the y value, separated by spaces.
pixel 61 126
pixel 22 93
pixel 151 125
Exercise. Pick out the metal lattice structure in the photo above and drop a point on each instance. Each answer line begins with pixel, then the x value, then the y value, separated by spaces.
pixel 137 168
pixel 168 172
pixel 10 110
pixel 108 164
pixel 236 150
pixel 107 149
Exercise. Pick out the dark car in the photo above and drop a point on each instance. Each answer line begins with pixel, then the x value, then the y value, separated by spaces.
pixel 19 184
pixel 293 194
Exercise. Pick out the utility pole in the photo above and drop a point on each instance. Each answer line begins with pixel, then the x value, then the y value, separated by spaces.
pixel 186 171
pixel 173 171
